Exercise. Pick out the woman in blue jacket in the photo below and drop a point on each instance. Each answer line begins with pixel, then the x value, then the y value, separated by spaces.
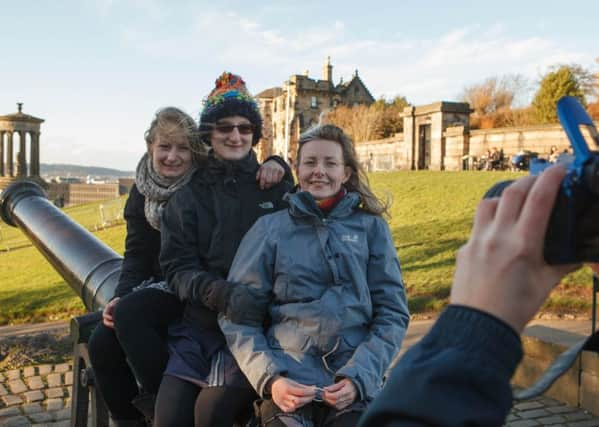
pixel 326 273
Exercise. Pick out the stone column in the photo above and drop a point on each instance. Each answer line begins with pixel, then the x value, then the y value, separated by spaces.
pixel 9 155
pixel 2 153
pixel 22 160
pixel 33 157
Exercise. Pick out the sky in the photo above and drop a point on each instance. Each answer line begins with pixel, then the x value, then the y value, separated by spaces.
pixel 97 70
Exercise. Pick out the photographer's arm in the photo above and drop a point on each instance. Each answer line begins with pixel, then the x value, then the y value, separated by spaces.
pixel 459 373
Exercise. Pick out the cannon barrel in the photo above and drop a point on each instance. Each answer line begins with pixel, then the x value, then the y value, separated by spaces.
pixel 89 267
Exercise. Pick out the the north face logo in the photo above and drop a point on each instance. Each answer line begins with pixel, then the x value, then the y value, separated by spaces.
pixel 266 205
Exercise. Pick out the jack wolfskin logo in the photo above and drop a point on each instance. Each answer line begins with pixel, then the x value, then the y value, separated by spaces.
pixel 351 238
pixel 266 205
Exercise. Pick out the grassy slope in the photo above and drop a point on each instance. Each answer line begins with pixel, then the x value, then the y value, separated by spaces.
pixel 431 217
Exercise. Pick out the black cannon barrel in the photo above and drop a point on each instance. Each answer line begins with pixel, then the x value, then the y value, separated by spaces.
pixel 89 266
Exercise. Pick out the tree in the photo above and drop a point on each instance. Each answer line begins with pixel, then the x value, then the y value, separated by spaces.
pixel 562 80
pixel 495 94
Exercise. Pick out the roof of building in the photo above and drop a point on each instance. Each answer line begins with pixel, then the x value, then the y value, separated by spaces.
pixel 19 116
pixel 343 86
pixel 270 93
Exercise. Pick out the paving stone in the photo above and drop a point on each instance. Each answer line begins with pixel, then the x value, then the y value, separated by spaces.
pixel 31 408
pixel 54 404
pixel 577 416
pixel 533 413
pixel 54 380
pixel 63 367
pixel 554 419
pixel 512 417
pixel 13 374
pixel 16 421
pixel 35 383
pixel 55 392
pixel 17 386
pixel 562 409
pixel 524 423
pixel 528 405
pixel 548 402
pixel 41 417
pixel 63 423
pixel 3 391
pixel 587 423
pixel 68 378
pixel 11 399
pixel 29 371
pixel 33 396
pixel 44 369
pixel 8 412
pixel 63 414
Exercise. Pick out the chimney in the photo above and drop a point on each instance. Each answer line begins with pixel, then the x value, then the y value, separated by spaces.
pixel 327 70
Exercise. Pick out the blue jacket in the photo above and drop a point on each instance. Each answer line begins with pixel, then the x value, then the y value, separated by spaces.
pixel 457 375
pixel 333 290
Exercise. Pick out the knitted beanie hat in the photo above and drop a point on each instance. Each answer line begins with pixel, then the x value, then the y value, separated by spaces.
pixel 229 98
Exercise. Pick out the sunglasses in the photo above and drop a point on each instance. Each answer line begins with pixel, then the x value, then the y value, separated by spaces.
pixel 244 128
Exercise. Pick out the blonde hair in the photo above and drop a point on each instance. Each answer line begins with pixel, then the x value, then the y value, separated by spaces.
pixel 358 181
pixel 170 116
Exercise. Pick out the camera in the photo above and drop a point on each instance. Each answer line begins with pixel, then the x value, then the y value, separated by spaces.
pixel 573 232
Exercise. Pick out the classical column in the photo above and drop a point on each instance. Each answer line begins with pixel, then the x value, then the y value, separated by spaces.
pixel 37 153
pixel 33 154
pixel 2 153
pixel 9 155
pixel 22 160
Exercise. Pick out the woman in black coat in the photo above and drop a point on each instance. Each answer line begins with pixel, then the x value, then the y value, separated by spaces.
pixel 202 227
pixel 129 347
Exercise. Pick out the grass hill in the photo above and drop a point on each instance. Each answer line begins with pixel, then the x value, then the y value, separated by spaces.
pixel 431 217
pixel 78 170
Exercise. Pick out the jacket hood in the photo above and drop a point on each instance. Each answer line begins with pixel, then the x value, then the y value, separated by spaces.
pixel 303 205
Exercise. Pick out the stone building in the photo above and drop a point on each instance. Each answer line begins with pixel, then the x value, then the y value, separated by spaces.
pixel 23 159
pixel 300 103
pixel 69 194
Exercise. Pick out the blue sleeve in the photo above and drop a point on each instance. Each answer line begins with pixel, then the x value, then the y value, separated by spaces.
pixel 457 375
pixel 390 316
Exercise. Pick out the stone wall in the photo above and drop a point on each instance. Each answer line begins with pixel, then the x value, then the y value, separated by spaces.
pixel 36 395
pixel 458 143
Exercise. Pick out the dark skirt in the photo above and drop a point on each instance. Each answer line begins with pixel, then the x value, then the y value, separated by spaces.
pixel 202 357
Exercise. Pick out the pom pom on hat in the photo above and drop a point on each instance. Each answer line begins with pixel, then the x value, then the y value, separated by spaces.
pixel 229 97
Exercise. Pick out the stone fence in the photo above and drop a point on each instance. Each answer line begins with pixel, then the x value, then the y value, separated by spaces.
pixel 457 147
pixel 36 395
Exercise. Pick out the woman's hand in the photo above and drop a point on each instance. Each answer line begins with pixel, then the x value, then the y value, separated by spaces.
pixel 290 395
pixel 341 394
pixel 269 174
pixel 107 313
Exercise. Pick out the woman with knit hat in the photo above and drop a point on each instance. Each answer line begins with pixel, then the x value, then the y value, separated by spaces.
pixel 129 346
pixel 202 227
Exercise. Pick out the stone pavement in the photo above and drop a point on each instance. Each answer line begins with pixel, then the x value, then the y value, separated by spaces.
pixel 40 395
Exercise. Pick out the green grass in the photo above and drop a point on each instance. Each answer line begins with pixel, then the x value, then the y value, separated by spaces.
pixel 431 217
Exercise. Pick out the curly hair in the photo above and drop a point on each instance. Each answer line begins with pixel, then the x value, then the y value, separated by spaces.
pixel 165 118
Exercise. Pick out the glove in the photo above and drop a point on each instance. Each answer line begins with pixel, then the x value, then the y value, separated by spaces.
pixel 235 301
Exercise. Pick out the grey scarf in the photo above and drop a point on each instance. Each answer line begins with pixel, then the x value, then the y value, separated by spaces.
pixel 156 188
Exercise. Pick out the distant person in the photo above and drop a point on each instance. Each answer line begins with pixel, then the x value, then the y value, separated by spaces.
pixel 202 227
pixel 129 346
pixel 553 154
pixel 325 274
pixel 459 373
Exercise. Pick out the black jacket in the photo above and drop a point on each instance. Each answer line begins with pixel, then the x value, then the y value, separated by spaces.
pixel 203 225
pixel 142 247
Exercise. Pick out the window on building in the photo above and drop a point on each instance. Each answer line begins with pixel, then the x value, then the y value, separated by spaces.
pixel 314 102
pixel 356 89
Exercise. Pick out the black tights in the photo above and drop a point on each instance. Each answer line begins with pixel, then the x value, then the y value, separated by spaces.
pixel 181 403
pixel 136 345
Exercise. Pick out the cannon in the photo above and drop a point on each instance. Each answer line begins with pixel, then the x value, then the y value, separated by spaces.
pixel 87 265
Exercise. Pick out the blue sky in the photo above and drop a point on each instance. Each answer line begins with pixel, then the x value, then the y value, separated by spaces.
pixel 97 70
